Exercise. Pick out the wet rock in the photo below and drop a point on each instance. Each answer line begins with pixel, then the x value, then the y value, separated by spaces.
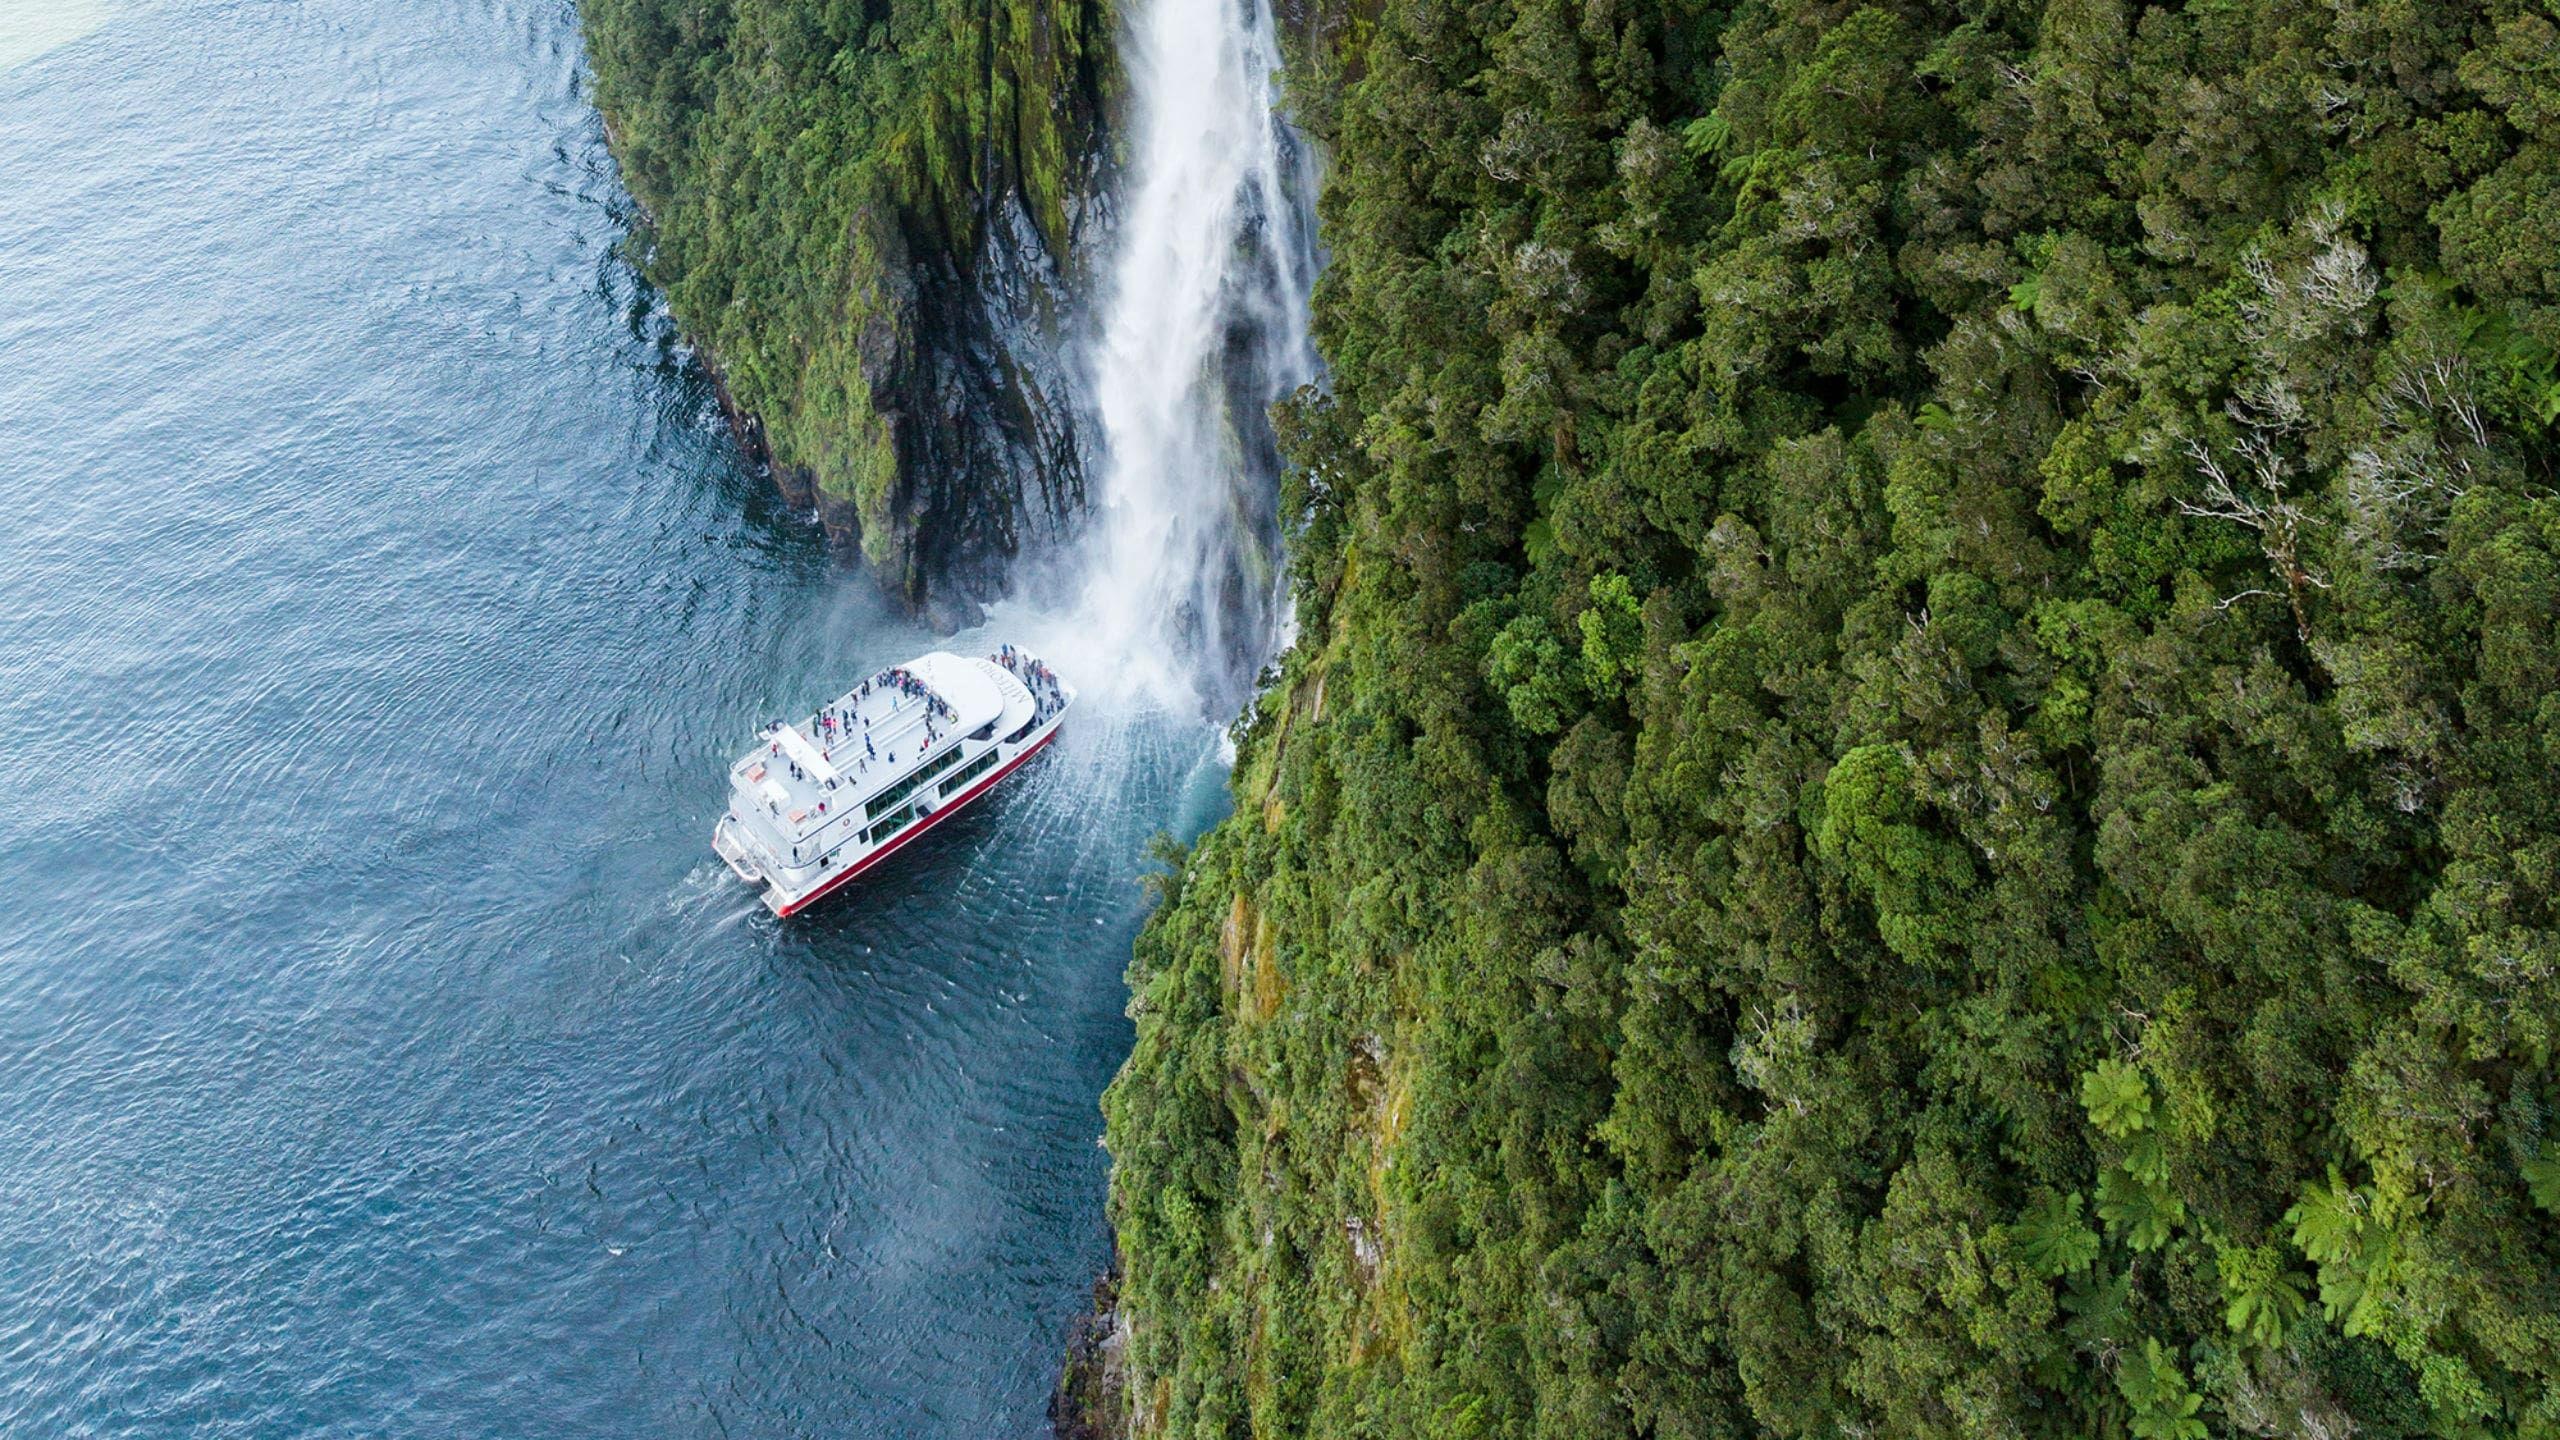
pixel 1092 1398
pixel 952 612
pixel 971 367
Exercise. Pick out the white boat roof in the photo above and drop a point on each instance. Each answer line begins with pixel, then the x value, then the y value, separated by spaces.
pixel 963 683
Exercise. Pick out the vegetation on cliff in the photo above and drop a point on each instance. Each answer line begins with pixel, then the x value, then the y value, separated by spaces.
pixel 802 162
pixel 1920 794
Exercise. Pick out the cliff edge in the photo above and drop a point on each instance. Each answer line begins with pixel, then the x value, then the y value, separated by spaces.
pixel 868 218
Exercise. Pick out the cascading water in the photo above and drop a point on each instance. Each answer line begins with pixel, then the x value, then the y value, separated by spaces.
pixel 1204 325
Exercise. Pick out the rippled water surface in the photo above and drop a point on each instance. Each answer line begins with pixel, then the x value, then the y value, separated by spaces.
pixel 381 1051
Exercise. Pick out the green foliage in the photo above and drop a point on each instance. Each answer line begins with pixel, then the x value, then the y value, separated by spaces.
pixel 1527 667
pixel 2117 1098
pixel 1707 135
pixel 2264 1298
pixel 2327 1220
pixel 2527 367
pixel 1916 880
pixel 1612 634
pixel 2164 1408
pixel 2542 1178
pixel 2139 1211
pixel 2053 1240
pixel 1918 795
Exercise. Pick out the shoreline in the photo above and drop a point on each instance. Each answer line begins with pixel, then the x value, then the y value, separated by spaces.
pixel 1091 1401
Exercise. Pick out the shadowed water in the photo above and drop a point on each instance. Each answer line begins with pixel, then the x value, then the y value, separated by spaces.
pixel 381 1051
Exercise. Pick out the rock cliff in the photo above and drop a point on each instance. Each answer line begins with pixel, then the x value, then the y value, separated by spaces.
pixel 870 221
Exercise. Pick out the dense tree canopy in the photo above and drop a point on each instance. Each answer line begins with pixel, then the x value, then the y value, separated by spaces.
pixel 1920 793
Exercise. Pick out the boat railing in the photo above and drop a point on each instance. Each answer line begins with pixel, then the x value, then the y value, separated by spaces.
pixel 815 844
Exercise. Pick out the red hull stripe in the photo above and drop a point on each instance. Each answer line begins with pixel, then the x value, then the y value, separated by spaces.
pixel 928 822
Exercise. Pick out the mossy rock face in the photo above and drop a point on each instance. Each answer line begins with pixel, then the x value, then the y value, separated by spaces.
pixel 868 219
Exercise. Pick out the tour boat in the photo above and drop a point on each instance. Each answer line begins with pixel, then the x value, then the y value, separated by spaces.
pixel 817 803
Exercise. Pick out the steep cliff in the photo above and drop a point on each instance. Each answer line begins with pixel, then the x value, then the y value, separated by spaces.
pixel 868 217
pixel 1920 791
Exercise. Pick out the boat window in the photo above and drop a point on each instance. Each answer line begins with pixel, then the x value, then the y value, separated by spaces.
pixel 907 787
pixel 1027 727
pixel 983 731
pixel 969 772
pixel 890 826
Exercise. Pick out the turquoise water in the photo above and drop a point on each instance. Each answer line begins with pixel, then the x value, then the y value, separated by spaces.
pixel 382 1053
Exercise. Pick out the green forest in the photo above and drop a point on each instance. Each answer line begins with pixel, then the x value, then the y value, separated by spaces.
pixel 801 161
pixel 1920 790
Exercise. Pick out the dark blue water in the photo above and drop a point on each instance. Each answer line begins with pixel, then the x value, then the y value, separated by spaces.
pixel 381 1051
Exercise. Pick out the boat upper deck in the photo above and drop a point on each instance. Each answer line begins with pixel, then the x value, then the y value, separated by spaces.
pixel 810 775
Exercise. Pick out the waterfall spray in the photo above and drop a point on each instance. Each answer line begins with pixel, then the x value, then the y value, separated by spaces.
pixel 1204 325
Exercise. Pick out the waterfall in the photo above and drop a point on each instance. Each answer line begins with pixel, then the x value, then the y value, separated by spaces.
pixel 1203 324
